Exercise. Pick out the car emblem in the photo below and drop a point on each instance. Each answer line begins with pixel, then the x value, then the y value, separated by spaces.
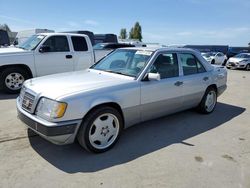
pixel 27 103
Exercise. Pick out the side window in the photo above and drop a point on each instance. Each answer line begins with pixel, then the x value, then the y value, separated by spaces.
pixel 57 44
pixel 191 64
pixel 166 65
pixel 79 44
pixel 219 54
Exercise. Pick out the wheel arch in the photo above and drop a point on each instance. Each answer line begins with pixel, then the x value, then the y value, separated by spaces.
pixel 23 66
pixel 114 105
pixel 213 86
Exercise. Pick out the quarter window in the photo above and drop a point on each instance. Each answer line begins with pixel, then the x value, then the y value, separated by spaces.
pixel 166 65
pixel 79 44
pixel 57 44
pixel 191 64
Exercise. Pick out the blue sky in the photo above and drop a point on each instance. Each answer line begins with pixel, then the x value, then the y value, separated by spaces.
pixel 162 21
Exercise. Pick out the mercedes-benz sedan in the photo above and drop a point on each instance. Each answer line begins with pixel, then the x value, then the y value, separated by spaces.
pixel 129 86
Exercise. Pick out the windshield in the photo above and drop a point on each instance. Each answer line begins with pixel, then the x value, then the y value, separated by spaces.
pixel 98 46
pixel 126 62
pixel 243 56
pixel 32 42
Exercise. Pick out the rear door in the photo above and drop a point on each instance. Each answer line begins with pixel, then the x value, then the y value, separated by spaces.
pixel 162 97
pixel 58 59
pixel 83 56
pixel 195 79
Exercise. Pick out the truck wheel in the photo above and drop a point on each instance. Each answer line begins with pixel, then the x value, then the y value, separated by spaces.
pixel 213 61
pixel 248 67
pixel 100 130
pixel 208 102
pixel 11 79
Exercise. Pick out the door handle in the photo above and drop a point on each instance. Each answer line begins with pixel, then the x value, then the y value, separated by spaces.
pixel 68 56
pixel 178 83
pixel 205 78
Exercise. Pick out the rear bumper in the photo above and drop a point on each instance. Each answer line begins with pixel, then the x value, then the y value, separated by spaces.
pixel 58 133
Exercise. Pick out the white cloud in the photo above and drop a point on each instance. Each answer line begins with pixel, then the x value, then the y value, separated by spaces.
pixel 16 19
pixel 73 24
pixel 91 22
pixel 185 33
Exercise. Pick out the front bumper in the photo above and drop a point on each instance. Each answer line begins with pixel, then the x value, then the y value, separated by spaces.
pixel 235 66
pixel 58 133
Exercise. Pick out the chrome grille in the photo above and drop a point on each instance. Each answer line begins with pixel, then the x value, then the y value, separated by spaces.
pixel 27 101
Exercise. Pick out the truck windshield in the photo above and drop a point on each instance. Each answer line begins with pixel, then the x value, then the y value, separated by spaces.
pixel 125 62
pixel 32 42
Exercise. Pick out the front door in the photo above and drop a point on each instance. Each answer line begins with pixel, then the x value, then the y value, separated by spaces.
pixel 57 59
pixel 162 97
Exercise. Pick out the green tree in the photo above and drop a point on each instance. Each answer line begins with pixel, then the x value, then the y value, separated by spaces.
pixel 123 33
pixel 136 32
pixel 131 33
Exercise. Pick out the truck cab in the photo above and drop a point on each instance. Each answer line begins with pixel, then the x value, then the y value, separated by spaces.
pixel 44 54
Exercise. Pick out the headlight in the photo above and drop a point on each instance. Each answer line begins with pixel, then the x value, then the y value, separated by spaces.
pixel 50 109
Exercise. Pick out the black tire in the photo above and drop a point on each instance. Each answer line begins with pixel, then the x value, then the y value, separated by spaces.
pixel 202 108
pixel 84 130
pixel 248 67
pixel 8 71
pixel 213 61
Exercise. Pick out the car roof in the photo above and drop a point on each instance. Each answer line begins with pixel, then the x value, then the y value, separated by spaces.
pixel 161 49
pixel 63 34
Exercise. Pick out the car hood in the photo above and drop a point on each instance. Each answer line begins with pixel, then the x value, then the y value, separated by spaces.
pixel 236 59
pixel 58 85
pixel 11 51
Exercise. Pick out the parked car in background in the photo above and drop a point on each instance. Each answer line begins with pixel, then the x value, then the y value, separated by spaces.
pixel 240 61
pixel 104 38
pixel 217 58
pixel 233 51
pixel 4 38
pixel 103 49
pixel 43 54
pixel 129 86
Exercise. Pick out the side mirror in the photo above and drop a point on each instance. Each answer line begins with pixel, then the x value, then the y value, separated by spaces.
pixel 154 77
pixel 44 48
pixel 15 42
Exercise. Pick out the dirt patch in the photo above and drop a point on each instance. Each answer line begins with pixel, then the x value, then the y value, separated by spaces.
pixel 228 157
pixel 198 159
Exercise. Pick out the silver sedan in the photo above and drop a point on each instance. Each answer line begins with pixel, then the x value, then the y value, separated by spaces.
pixel 240 61
pixel 127 87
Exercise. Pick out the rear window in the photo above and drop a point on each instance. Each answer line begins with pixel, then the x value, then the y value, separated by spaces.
pixel 79 44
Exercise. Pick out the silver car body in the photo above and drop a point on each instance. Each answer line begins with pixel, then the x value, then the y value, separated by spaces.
pixel 137 100
pixel 239 62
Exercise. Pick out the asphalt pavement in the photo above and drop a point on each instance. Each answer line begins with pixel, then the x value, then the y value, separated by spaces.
pixel 186 149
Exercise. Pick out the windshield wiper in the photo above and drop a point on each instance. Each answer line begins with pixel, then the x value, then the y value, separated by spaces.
pixel 121 73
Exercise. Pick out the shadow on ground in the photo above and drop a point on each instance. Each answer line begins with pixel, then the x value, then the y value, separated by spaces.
pixel 136 141
pixel 5 96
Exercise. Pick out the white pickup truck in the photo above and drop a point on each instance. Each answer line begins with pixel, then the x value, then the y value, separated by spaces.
pixel 44 54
